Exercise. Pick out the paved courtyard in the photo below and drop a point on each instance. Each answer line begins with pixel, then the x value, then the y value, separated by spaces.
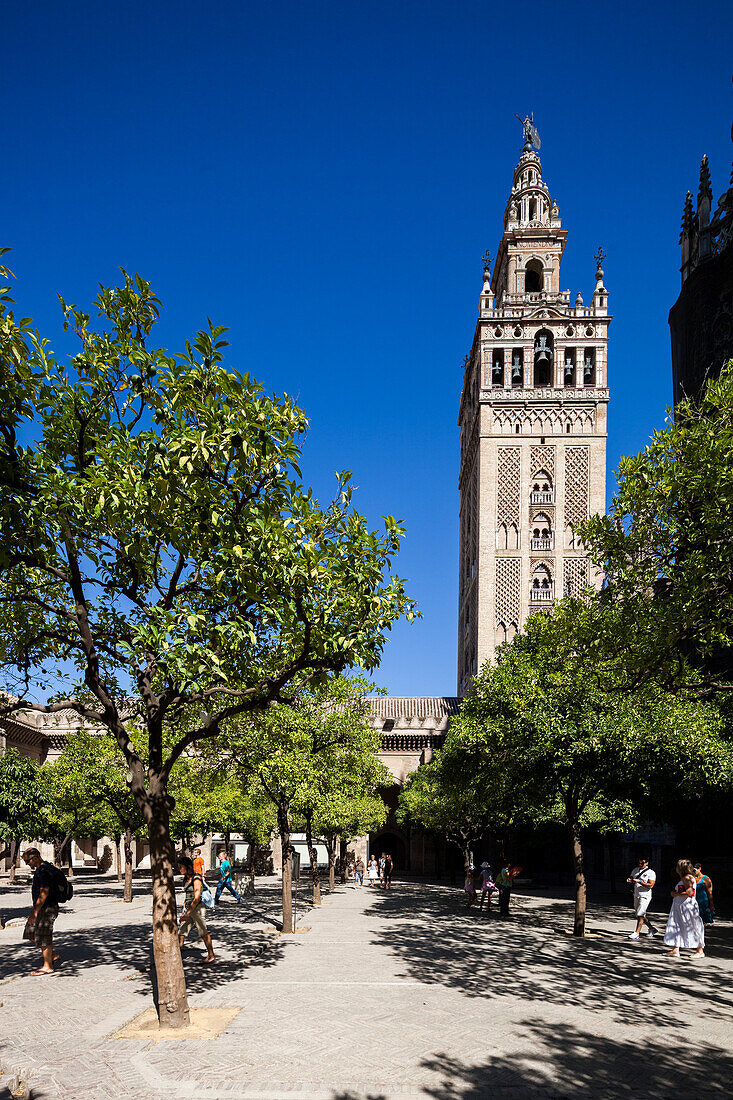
pixel 385 995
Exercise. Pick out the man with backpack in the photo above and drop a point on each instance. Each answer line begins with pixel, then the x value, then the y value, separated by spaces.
pixel 49 887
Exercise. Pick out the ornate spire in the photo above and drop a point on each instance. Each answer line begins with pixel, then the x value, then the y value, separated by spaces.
pixel 686 226
pixel 705 190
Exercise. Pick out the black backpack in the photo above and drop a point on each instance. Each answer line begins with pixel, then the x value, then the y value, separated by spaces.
pixel 64 888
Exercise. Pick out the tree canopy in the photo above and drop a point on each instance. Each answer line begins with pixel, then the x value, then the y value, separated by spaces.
pixel 667 551
pixel 161 555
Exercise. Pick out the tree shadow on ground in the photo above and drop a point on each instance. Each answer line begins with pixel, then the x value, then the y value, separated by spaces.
pixel 531 956
pixel 567 1063
pixel 128 948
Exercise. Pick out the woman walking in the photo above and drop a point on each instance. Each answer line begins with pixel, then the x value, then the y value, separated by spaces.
pixel 372 871
pixel 704 894
pixel 684 927
pixel 193 910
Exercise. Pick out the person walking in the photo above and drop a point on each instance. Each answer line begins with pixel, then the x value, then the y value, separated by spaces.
pixel 193 912
pixel 359 872
pixel 372 871
pixel 388 868
pixel 382 861
pixel 487 887
pixel 225 877
pixel 45 896
pixel 198 862
pixel 704 895
pixel 684 926
pixel 642 878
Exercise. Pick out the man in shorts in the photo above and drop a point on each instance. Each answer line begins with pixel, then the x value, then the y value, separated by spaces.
pixel 45 895
pixel 643 879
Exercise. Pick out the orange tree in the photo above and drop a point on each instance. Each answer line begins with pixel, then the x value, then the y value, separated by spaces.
pixel 162 558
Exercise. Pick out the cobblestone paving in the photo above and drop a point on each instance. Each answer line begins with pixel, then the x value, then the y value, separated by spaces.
pixel 387 995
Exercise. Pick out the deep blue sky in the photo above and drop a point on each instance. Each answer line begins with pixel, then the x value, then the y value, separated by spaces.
pixel 324 177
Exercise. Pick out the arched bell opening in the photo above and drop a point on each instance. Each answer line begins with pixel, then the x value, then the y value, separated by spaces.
pixel 534 278
pixel 543 357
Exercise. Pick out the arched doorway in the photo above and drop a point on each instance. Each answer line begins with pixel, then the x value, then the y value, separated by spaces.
pixel 391 843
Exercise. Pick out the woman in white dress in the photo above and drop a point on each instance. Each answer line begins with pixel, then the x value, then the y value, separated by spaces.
pixel 372 871
pixel 685 927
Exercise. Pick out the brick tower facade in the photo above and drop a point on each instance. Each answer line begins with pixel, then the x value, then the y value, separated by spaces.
pixel 532 427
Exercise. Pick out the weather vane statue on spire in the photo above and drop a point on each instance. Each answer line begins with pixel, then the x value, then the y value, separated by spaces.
pixel 531 137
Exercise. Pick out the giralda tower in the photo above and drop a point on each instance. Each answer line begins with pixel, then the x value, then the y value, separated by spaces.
pixel 532 426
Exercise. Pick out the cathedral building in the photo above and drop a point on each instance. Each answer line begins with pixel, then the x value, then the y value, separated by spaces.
pixel 532 427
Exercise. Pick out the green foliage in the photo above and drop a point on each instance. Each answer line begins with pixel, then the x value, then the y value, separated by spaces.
pixel 573 751
pixel 667 550
pixel 210 799
pixel 160 553
pixel 317 757
pixel 84 791
pixel 20 798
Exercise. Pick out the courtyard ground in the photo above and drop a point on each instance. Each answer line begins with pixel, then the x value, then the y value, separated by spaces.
pixel 399 994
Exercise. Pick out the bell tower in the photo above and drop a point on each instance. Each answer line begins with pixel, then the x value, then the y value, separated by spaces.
pixel 532 426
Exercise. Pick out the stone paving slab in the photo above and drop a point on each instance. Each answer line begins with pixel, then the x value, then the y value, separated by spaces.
pixel 399 994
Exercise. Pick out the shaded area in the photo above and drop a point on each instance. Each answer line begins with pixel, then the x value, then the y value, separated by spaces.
pixel 532 957
pixel 586 1064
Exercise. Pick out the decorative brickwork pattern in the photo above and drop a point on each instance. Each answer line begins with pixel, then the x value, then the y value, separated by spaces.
pixel 575 576
pixel 576 485
pixel 508 485
pixel 508 589
pixel 542 458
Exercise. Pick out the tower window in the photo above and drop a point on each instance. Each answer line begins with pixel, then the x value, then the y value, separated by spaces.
pixel 569 369
pixel 589 367
pixel 517 368
pixel 497 368
pixel 534 277
pixel 543 358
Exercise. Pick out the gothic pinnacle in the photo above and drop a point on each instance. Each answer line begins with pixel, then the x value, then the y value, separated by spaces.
pixel 686 224
pixel 705 188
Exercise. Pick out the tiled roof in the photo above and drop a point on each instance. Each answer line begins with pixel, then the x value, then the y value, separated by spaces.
pixel 413 706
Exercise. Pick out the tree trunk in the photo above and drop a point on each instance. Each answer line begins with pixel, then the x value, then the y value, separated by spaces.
pixel 342 858
pixel 172 1000
pixel 127 892
pixel 313 856
pixel 118 860
pixel 283 819
pixel 465 848
pixel 580 884
pixel 14 849
pixel 331 863
pixel 612 866
pixel 227 842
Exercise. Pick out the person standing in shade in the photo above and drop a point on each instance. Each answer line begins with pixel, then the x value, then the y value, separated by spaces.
pixel 225 877
pixel 198 862
pixel 504 883
pixel 387 874
pixel 45 896
pixel 642 878
pixel 487 887
pixel 704 895
pixel 684 926
pixel 193 910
